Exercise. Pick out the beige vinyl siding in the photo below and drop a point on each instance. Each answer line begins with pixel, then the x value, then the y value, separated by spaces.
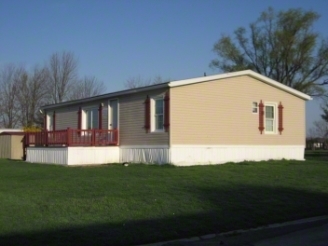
pixel 11 146
pixel 17 147
pixel 132 121
pixel 220 113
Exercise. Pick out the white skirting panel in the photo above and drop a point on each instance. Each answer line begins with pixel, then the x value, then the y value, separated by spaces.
pixel 180 155
pixel 73 155
pixel 93 155
pixel 47 155
pixel 187 155
pixel 145 154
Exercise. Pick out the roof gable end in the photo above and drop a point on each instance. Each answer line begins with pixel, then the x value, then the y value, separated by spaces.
pixel 250 73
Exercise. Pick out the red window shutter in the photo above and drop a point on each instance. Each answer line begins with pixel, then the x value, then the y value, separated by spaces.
pixel 100 115
pixel 147 114
pixel 261 117
pixel 54 121
pixel 167 111
pixel 280 118
pixel 79 119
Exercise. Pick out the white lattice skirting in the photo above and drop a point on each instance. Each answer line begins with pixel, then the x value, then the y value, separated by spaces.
pixel 179 155
pixel 73 155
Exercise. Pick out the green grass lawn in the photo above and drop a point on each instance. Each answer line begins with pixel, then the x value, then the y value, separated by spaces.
pixel 117 205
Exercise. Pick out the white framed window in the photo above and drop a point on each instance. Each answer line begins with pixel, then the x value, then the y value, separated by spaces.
pixel 90 118
pixel 270 118
pixel 254 107
pixel 113 114
pixel 157 113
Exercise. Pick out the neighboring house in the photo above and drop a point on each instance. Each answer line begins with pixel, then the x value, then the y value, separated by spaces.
pixel 316 143
pixel 11 143
pixel 10 130
pixel 215 119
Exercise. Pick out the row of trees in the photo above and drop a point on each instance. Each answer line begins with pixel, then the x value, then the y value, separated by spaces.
pixel 23 92
pixel 281 45
pixel 138 81
pixel 319 128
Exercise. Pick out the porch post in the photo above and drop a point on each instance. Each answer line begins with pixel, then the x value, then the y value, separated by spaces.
pixel 68 140
pixel 27 139
pixel 45 132
pixel 93 137
pixel 100 116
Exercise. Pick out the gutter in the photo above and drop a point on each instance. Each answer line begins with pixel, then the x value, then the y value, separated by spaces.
pixel 106 96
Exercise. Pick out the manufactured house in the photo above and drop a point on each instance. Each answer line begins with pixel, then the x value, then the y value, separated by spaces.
pixel 215 119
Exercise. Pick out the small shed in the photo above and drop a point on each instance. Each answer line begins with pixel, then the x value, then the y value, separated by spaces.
pixel 12 145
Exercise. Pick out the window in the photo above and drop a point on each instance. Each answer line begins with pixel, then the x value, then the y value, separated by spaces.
pixel 91 116
pixel 159 114
pixel 50 121
pixel 254 107
pixel 270 118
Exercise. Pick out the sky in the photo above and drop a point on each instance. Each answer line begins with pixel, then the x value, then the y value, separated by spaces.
pixel 116 40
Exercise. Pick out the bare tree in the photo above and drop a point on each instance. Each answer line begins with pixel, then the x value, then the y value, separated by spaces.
pixel 62 70
pixel 8 96
pixel 135 82
pixel 22 92
pixel 32 94
pixel 317 135
pixel 319 129
pixel 23 95
pixel 87 87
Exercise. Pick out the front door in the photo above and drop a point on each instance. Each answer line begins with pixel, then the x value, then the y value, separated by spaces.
pixel 113 114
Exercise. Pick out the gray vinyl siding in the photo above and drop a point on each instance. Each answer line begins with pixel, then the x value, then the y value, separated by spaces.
pixel 68 116
pixel 131 115
pixel 5 146
pixel 132 121
pixel 105 117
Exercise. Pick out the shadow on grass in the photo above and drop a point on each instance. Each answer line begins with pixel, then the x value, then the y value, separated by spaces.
pixel 319 155
pixel 231 208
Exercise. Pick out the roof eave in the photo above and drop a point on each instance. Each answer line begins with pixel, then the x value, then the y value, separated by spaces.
pixel 280 86
pixel 185 82
pixel 106 96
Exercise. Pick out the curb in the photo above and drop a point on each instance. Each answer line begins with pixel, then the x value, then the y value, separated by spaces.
pixel 211 236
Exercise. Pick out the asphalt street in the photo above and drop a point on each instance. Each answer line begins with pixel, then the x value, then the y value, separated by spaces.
pixel 310 232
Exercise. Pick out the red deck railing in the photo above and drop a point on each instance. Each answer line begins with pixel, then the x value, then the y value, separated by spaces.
pixel 72 137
